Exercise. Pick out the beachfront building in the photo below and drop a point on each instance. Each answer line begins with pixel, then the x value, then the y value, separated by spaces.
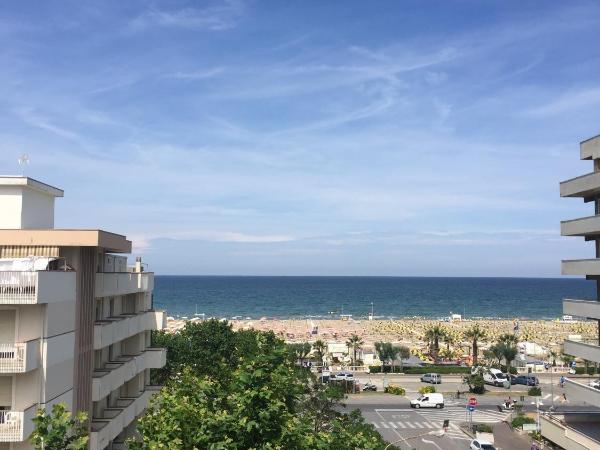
pixel 75 321
pixel 578 427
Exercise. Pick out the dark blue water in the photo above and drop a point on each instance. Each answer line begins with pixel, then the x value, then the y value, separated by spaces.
pixel 256 297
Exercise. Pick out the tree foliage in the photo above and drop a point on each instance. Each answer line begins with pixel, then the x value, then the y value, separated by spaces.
pixel 475 335
pixel 265 402
pixel 59 430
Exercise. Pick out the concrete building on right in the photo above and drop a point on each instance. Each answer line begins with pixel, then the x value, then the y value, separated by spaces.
pixel 575 425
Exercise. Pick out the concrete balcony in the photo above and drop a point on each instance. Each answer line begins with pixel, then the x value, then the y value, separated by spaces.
pixel 16 426
pixel 114 420
pixel 20 357
pixel 122 283
pixel 30 288
pixel 584 350
pixel 589 309
pixel 590 148
pixel 581 267
pixel 573 431
pixel 585 226
pixel 116 374
pixel 579 393
pixel 117 328
pixel 586 186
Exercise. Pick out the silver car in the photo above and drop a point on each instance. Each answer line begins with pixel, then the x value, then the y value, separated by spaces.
pixel 433 378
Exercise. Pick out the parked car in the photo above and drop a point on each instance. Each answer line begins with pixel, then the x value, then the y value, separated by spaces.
pixel 527 380
pixel 595 384
pixel 495 377
pixel 433 378
pixel 433 400
pixel 348 376
pixel 479 444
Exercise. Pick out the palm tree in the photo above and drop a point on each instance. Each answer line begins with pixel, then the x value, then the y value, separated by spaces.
pixel 403 353
pixel 567 359
pixel 355 343
pixel 509 352
pixel 475 334
pixel 433 336
pixel 508 339
pixel 496 352
pixel 320 349
pixel 553 354
pixel 382 350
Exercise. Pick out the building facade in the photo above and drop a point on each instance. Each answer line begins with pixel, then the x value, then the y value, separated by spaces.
pixel 75 321
pixel 576 424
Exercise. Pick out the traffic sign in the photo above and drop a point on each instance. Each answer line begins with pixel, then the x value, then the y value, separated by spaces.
pixel 471 408
pixel 472 401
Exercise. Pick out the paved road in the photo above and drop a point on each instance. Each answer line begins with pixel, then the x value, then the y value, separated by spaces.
pixel 421 428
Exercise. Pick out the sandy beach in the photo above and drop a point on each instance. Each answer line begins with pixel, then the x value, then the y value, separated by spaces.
pixel 410 331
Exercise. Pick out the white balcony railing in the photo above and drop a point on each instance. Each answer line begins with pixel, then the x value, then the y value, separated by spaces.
pixel 19 357
pixel 115 329
pixel 119 283
pixel 16 426
pixel 116 374
pixel 26 288
pixel 107 428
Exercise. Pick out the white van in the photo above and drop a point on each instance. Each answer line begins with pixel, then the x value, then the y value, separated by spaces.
pixel 428 401
pixel 495 377
pixel 433 378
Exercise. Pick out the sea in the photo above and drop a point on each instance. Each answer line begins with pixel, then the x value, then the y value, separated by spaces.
pixel 324 297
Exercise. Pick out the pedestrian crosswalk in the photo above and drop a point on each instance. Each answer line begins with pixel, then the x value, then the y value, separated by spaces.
pixel 429 420
pixel 459 414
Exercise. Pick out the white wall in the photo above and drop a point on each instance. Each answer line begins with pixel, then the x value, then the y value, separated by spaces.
pixel 37 210
pixel 10 205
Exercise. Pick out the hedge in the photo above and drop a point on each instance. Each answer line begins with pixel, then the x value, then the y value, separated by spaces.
pixel 483 428
pixel 520 420
pixel 534 391
pixel 396 390
pixel 426 389
pixel 458 370
pixel 581 370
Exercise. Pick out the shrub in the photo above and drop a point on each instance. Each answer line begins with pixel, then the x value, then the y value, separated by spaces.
pixel 518 421
pixel 396 390
pixel 459 370
pixel 426 389
pixel 534 391
pixel 483 428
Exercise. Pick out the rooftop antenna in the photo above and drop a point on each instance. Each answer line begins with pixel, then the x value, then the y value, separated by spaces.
pixel 23 161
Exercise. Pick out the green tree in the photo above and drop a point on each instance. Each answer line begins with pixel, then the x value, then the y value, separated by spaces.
pixel 433 335
pixel 320 349
pixel 475 334
pixel 300 350
pixel 553 355
pixel 508 339
pixel 496 352
pixel 59 430
pixel 265 404
pixel 354 343
pixel 509 353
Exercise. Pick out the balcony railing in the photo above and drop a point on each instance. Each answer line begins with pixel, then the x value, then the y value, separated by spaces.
pixel 16 426
pixel 19 357
pixel 31 287
pixel 122 283
pixel 117 373
pixel 115 329
pixel 105 429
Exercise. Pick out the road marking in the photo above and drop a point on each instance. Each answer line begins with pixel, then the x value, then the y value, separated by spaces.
pixel 401 424
pixel 393 425
pixel 425 441
pixel 375 425
pixel 410 425
pixel 384 425
pixel 546 396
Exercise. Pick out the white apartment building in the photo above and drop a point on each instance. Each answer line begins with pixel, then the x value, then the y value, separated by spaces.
pixel 576 425
pixel 75 321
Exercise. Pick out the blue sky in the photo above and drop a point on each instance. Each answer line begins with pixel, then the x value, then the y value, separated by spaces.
pixel 325 138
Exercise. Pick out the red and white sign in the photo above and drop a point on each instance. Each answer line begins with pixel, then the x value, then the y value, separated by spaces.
pixel 472 401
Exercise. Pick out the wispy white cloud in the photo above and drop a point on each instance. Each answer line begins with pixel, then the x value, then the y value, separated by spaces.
pixel 221 16
pixel 569 101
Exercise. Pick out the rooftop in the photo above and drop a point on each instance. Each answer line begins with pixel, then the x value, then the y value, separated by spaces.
pixel 16 180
